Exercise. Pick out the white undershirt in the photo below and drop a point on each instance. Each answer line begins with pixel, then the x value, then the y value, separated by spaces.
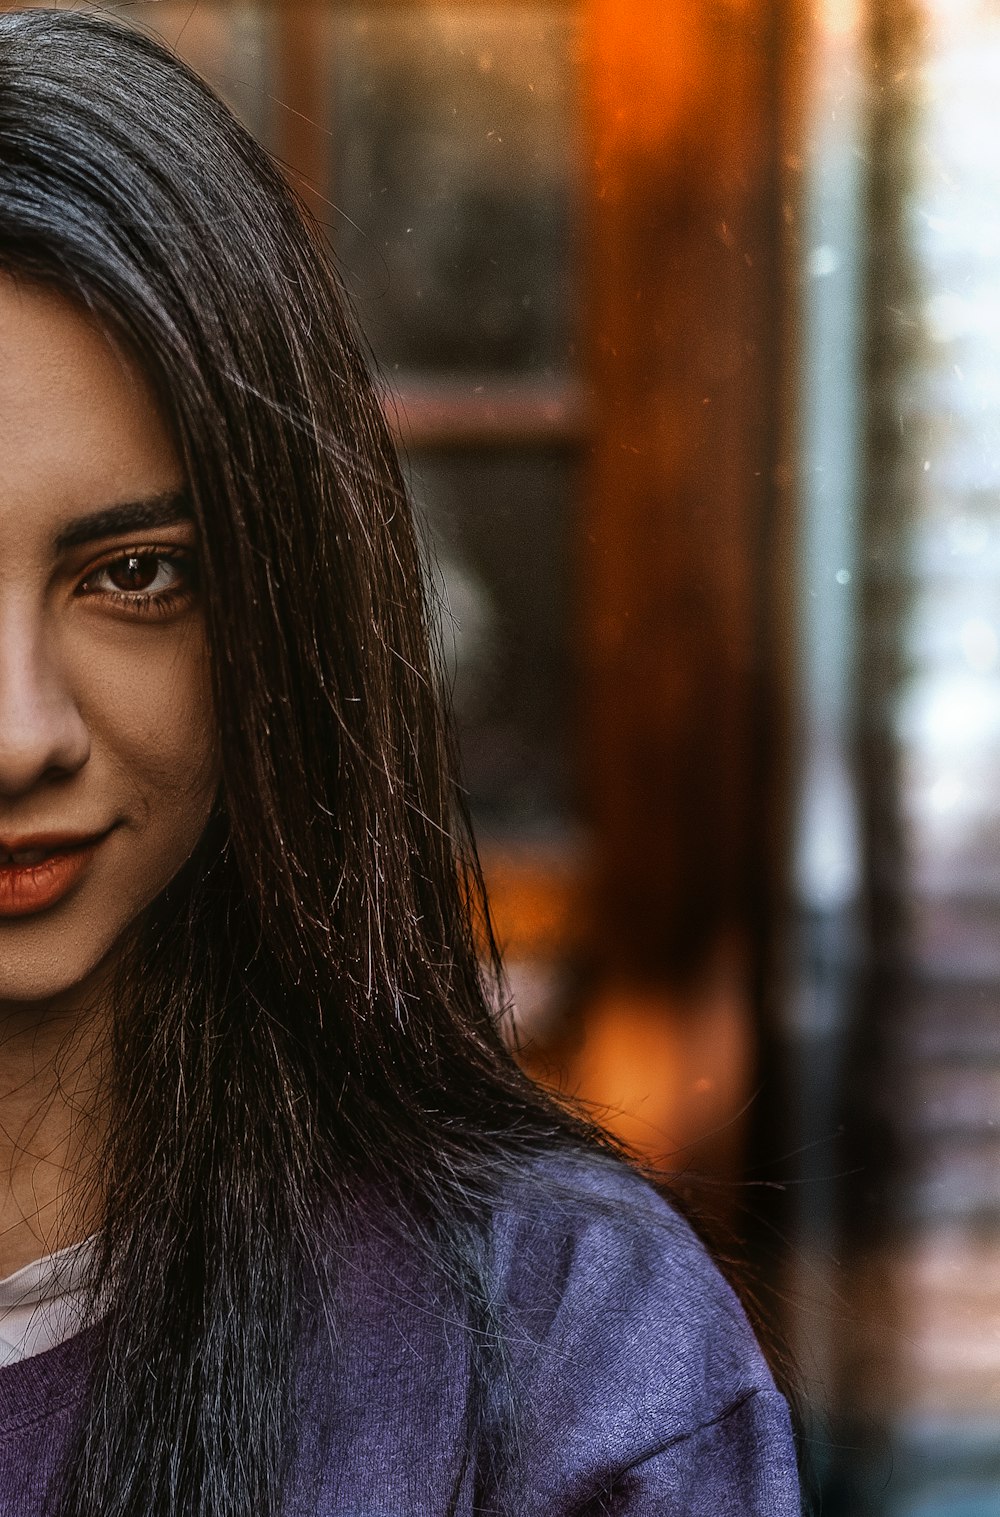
pixel 43 1303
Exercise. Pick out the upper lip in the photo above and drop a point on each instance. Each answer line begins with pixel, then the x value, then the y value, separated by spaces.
pixel 51 842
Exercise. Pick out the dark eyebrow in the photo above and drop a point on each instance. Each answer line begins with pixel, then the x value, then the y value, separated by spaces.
pixel 132 516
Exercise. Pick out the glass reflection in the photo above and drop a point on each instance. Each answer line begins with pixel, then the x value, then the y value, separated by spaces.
pixel 454 179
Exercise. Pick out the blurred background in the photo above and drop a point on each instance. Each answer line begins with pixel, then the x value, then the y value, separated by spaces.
pixel 691 310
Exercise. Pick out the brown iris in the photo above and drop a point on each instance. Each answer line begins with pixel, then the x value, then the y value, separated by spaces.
pixel 135 572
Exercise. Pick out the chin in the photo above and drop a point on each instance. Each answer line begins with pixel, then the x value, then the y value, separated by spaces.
pixel 39 965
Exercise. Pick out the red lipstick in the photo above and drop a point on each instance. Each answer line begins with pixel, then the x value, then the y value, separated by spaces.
pixel 34 883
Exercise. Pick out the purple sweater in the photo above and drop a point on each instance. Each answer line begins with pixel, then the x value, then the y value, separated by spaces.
pixel 642 1390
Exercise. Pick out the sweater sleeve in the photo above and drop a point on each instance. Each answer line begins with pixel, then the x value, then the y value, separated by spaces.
pixel 739 1465
pixel 641 1381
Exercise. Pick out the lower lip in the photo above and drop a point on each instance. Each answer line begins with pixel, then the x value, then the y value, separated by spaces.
pixel 26 888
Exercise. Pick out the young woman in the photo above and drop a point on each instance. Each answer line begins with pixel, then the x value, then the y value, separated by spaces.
pixel 283 1227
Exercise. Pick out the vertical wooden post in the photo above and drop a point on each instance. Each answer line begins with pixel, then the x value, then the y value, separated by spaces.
pixel 682 353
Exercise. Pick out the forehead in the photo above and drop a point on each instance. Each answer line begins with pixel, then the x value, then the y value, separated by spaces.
pixel 79 424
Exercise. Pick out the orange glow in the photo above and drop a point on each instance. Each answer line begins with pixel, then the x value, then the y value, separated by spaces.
pixel 644 59
pixel 537 904
pixel 669 1072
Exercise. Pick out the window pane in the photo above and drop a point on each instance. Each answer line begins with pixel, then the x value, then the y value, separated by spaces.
pixel 498 528
pixel 454 163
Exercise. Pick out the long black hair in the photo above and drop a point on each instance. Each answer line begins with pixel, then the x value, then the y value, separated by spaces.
pixel 312 1003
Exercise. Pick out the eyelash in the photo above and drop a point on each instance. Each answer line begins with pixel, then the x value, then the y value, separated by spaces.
pixel 144 602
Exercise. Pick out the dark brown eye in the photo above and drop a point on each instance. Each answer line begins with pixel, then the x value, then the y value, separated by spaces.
pixel 144 580
pixel 136 572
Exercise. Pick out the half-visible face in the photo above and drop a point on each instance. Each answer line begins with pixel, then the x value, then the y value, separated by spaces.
pixel 108 750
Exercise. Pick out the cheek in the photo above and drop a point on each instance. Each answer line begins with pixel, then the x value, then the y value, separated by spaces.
pixel 153 768
pixel 153 732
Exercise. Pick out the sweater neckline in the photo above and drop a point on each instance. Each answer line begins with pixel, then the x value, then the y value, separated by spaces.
pixel 34 1388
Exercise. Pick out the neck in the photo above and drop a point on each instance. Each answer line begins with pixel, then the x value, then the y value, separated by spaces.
pixel 50 1064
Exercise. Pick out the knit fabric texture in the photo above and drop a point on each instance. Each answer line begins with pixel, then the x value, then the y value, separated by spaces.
pixel 639 1388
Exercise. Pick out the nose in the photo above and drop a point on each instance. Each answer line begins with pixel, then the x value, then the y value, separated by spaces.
pixel 42 732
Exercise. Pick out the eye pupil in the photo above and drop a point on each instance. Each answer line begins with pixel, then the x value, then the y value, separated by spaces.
pixel 136 572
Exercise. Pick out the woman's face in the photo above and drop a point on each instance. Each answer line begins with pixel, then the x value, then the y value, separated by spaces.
pixel 107 734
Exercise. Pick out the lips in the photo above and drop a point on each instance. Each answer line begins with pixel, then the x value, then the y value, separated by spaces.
pixel 35 847
pixel 38 871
